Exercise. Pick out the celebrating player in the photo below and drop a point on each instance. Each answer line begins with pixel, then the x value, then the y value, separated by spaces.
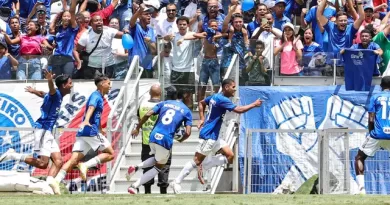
pixel 171 115
pixel 89 136
pixel 379 129
pixel 44 142
pixel 210 143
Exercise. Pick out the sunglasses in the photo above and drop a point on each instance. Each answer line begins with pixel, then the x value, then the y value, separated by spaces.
pixel 171 10
pixel 212 7
pixel 41 12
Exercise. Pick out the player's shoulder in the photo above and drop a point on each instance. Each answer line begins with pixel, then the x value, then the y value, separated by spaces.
pixel 381 95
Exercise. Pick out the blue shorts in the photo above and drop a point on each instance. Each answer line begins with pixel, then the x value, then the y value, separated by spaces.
pixel 210 69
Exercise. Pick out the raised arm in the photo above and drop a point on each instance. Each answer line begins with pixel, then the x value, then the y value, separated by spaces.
pixel 38 93
pixel 72 12
pixel 360 20
pixel 49 76
pixel 135 16
pixel 322 20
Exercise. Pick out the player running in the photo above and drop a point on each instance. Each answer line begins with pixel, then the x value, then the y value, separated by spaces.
pixel 44 143
pixel 210 143
pixel 379 129
pixel 171 115
pixel 89 136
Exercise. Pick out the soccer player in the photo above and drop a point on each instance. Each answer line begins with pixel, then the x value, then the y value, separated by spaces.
pixel 209 130
pixel 379 129
pixel 89 136
pixel 44 143
pixel 147 127
pixel 171 115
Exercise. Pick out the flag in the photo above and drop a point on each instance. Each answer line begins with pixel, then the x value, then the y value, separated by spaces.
pixel 359 66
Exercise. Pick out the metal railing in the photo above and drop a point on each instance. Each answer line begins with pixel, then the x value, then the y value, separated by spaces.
pixel 124 111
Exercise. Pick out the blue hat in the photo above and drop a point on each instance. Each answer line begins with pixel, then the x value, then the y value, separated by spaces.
pixel 280 1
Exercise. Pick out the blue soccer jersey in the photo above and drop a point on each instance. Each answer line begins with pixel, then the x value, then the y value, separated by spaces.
pixel 380 105
pixel 96 100
pixel 49 111
pixel 171 115
pixel 218 104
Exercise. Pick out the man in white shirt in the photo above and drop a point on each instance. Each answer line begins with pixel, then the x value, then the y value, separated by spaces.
pixel 101 60
pixel 267 33
pixel 167 26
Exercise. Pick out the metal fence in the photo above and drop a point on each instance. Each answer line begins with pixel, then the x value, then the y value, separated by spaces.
pixel 284 161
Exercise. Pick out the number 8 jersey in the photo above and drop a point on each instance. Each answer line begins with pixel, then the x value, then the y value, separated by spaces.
pixel 380 105
pixel 171 115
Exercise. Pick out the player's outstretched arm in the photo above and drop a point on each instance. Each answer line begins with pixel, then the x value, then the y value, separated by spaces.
pixel 49 76
pixel 242 109
pixel 35 92
pixel 145 118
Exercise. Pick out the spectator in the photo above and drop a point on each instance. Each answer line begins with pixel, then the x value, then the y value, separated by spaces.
pixel 120 54
pixel 321 35
pixel 310 48
pixel 183 73
pixel 26 7
pixel 62 61
pixel 384 43
pixel 97 43
pixel 40 10
pixel 7 62
pixel 30 48
pixel 103 13
pixel 260 14
pixel 258 67
pixel 144 40
pixel 193 13
pixel 166 27
pixel 212 13
pixel 279 14
pixel 167 58
pixel 290 49
pixel 6 9
pixel 123 13
pixel 368 19
pixel 267 33
pixel 154 9
pixel 15 32
pixel 340 34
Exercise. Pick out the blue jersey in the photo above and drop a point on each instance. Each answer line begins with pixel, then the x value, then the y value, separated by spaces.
pixel 49 111
pixel 171 115
pixel 380 105
pixel 218 104
pixel 95 100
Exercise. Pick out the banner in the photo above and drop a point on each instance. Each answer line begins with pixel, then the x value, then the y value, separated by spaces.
pixel 289 159
pixel 359 66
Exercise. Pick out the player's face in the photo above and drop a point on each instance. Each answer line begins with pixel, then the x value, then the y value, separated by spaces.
pixel 106 85
pixel 68 86
pixel 231 89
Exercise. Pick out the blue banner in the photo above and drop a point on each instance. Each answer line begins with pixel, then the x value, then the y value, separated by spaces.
pixel 283 160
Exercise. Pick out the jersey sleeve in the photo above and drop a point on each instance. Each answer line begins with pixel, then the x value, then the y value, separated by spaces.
pixel 207 100
pixel 156 109
pixel 94 101
pixel 226 103
pixel 188 119
pixel 371 106
pixel 310 15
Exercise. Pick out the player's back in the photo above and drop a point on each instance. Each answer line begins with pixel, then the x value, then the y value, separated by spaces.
pixel 380 105
pixel 218 105
pixel 171 115
pixel 50 109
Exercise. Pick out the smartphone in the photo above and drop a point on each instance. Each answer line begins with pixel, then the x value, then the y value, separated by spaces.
pixel 264 21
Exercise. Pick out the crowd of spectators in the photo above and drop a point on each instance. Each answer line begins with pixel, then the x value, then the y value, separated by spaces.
pixel 82 38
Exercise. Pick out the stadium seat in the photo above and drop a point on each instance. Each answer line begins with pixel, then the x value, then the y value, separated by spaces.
pixel 91 154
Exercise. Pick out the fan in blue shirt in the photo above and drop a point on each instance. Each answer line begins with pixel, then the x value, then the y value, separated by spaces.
pixel 379 129
pixel 44 142
pixel 171 115
pixel 209 130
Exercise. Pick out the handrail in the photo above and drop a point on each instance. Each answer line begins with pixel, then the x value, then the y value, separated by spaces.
pixel 133 64
pixel 230 68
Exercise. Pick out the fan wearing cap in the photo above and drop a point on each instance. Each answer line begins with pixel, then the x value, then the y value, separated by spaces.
pixel 340 33
pixel 279 14
pixel 309 17
pixel 40 11
pixel 7 62
pixel 144 39
pixel 105 13
pixel 290 49
pixel 26 7
pixel 368 19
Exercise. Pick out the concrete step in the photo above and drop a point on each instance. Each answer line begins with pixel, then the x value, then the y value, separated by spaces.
pixel 187 146
pixel 187 185
pixel 178 158
pixel 173 172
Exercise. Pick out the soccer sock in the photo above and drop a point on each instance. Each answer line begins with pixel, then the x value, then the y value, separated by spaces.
pixel 360 180
pixel 188 167
pixel 49 179
pixel 147 163
pixel 214 162
pixel 146 177
pixel 61 175
pixel 92 162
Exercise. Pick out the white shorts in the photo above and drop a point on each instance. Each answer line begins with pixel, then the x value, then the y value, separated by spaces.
pixel 371 146
pixel 85 144
pixel 160 153
pixel 205 147
pixel 44 143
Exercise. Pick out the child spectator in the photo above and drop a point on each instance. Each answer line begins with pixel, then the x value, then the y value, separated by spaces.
pixel 7 62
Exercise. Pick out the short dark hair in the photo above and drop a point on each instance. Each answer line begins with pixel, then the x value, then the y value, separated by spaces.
pixel 237 15
pixel 227 81
pixel 170 4
pixel 14 17
pixel 173 93
pixel 366 31
pixel 385 82
pixel 212 21
pixel 183 18
pixel 261 4
pixel 61 79
pixel 168 45
pixel 259 42
pixel 341 13
pixel 100 78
